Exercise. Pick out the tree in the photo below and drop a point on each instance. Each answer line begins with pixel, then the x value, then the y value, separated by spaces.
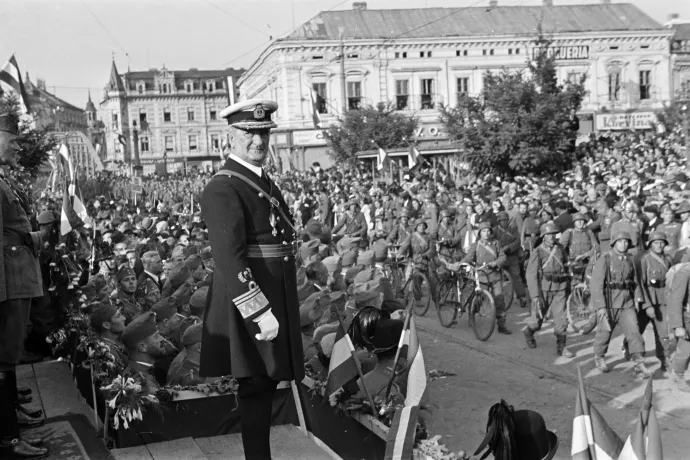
pixel 521 122
pixel 367 129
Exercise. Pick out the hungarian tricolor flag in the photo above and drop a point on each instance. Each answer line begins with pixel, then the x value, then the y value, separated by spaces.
pixel 316 118
pixel 401 433
pixel 73 210
pixel 413 157
pixel 343 366
pixel 11 84
pixel 593 438
pixel 644 443
pixel 381 159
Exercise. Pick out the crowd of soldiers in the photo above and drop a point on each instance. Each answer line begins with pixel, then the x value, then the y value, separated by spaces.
pixel 621 214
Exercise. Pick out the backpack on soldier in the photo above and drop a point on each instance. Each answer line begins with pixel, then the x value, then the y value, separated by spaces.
pixel 670 275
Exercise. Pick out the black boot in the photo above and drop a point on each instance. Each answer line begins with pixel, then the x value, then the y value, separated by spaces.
pixel 502 329
pixel 26 421
pixel 529 338
pixel 561 349
pixel 38 413
pixel 21 399
pixel 18 448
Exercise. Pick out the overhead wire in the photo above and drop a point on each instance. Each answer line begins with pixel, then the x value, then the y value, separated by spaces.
pixel 227 13
pixel 105 29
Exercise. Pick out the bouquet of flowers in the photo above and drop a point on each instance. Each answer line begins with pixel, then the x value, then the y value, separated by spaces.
pixel 126 396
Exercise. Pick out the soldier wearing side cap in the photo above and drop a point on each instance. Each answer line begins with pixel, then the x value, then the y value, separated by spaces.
pixel 251 324
pixel 187 373
pixel 144 346
pixel 108 322
pixel 616 292
pixel 20 281
pixel 126 289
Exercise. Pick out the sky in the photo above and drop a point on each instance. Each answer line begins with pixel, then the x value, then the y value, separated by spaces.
pixel 70 43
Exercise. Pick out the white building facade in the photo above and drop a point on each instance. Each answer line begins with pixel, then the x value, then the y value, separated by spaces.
pixel 417 59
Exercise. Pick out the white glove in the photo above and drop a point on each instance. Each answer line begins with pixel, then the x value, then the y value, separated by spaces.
pixel 268 325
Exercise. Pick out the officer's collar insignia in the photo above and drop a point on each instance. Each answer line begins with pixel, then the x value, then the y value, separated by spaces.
pixel 259 112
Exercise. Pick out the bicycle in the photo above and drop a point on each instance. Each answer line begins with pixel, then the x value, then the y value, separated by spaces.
pixel 578 309
pixel 508 290
pixel 419 288
pixel 463 282
pixel 394 270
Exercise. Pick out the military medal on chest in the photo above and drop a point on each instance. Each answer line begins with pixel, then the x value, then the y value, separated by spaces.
pixel 273 221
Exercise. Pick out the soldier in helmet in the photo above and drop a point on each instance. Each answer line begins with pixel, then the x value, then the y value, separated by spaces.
pixel 487 253
pixel 579 242
pixel 547 281
pixel 449 237
pixel 616 291
pixel 510 244
pixel 402 230
pixel 421 247
pixel 654 265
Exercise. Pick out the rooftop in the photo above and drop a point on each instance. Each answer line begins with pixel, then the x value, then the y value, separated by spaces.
pixel 473 21
pixel 682 31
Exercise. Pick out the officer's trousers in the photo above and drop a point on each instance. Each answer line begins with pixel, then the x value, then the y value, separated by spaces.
pixel 662 340
pixel 256 403
pixel 518 285
pixel 556 301
pixel 682 356
pixel 14 319
pixel 627 318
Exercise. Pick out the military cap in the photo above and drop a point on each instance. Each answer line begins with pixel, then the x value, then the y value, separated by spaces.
pixel 323 331
pixel 351 273
pixel 363 276
pixel 102 313
pixel 366 258
pixel 321 305
pixel 484 225
pixel 206 254
pixel 309 249
pixel 141 328
pixel 338 301
pixel 657 236
pixel 349 259
pixel 146 223
pixel 313 227
pixel 9 123
pixel 165 308
pixel 549 228
pixel 198 299
pixel 306 317
pixel 46 218
pixel 404 212
pixel 192 335
pixel 620 236
pixel 250 114
pixel 579 216
pixel 333 264
pixel 369 298
pixel 419 222
pixel 193 262
pixel 117 237
pixel 124 272
pixel 503 215
pixel 380 248
pixel 178 275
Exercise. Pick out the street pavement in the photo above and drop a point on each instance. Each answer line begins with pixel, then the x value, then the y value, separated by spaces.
pixel 504 368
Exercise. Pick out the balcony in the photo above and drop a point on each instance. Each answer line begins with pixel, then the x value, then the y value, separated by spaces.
pixel 429 101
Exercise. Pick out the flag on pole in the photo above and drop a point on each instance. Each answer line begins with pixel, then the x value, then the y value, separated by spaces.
pixel 11 83
pixel 316 117
pixel 593 438
pixel 69 220
pixel 402 431
pixel 644 443
pixel 413 157
pixel 382 159
pixel 343 367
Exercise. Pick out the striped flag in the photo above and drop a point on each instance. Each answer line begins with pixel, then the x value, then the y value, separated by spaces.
pixel 343 366
pixel 644 443
pixel 316 117
pixel 11 83
pixel 593 438
pixel 381 159
pixel 73 210
pixel 413 157
pixel 402 431
pixel 69 220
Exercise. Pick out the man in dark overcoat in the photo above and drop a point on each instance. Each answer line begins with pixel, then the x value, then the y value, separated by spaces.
pixel 20 281
pixel 251 322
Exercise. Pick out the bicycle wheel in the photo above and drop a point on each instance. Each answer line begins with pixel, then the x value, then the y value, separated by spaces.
pixel 578 310
pixel 419 289
pixel 508 291
pixel 482 314
pixel 396 275
pixel 448 302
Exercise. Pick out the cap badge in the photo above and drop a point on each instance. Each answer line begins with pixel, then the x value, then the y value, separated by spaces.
pixel 259 112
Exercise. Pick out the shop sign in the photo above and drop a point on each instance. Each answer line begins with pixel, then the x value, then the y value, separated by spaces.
pixel 310 137
pixel 564 53
pixel 624 121
pixel 137 185
pixel 430 132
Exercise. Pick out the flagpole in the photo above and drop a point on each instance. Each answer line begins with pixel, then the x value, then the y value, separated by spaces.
pixel 408 316
pixel 585 409
pixel 359 369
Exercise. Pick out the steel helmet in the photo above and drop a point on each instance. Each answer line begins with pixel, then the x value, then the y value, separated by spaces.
pixel 484 225
pixel 621 236
pixel 404 212
pixel 549 228
pixel 579 216
pixel 657 236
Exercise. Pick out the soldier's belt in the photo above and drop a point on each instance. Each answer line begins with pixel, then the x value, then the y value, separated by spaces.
pixel 657 283
pixel 13 239
pixel 271 251
pixel 556 278
pixel 620 286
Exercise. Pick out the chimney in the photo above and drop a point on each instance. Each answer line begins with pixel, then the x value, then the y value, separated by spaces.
pixel 493 3
pixel 673 16
pixel 547 2
pixel 359 6
pixel 41 83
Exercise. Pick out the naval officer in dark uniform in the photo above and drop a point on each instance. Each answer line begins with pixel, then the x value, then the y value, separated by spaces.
pixel 20 281
pixel 251 323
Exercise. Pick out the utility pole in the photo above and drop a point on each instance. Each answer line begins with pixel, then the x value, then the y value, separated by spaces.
pixel 343 82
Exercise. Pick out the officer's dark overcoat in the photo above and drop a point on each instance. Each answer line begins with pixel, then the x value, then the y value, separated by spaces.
pixel 236 216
